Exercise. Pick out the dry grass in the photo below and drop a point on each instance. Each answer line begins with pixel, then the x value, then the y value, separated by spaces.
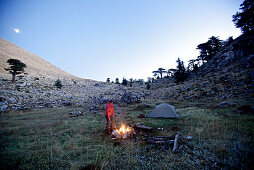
pixel 49 139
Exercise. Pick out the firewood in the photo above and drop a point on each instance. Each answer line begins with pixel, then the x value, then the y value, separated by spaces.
pixel 116 134
pixel 176 143
pixel 166 137
pixel 140 126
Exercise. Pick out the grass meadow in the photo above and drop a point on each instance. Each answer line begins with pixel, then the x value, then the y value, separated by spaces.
pixel 50 139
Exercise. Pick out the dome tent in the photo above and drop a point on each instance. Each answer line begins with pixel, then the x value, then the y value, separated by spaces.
pixel 164 110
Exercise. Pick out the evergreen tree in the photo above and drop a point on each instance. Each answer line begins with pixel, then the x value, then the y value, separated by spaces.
pixel 58 84
pixel 125 82
pixel 16 67
pixel 140 81
pixel 148 86
pixel 214 45
pixel 245 18
pixel 131 82
pixel 203 52
pixel 180 74
pixel 160 71
pixel 117 81
pixel 209 49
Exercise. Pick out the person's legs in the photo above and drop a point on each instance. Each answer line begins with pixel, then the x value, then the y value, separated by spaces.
pixel 107 124
pixel 112 122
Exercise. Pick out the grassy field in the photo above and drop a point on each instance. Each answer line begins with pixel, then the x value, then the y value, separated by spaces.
pixel 50 139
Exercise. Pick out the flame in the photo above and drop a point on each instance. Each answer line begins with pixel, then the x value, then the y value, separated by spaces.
pixel 123 129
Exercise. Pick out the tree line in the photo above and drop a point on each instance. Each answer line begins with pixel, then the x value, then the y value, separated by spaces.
pixel 207 50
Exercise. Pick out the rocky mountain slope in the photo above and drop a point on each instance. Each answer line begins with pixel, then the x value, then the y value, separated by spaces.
pixel 37 90
pixel 36 66
pixel 229 75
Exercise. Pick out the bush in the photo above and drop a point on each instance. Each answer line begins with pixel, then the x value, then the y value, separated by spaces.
pixel 125 82
pixel 58 84
pixel 148 86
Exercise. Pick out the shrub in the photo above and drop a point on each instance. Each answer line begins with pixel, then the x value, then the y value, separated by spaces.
pixel 58 84
pixel 148 86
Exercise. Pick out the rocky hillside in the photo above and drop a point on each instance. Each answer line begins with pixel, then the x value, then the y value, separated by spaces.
pixel 229 75
pixel 36 66
pixel 37 90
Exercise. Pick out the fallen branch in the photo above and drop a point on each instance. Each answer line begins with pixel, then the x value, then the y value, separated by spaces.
pixel 141 126
pixel 176 143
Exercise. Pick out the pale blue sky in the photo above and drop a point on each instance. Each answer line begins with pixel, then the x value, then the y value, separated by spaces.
pixel 97 39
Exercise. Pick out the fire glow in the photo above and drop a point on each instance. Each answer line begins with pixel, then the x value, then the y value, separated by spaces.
pixel 123 132
pixel 123 129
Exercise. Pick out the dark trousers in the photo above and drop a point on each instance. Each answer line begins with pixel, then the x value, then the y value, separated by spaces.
pixel 110 119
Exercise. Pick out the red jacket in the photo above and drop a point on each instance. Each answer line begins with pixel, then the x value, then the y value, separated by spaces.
pixel 110 109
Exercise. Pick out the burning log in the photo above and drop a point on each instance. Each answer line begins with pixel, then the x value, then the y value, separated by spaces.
pixel 123 132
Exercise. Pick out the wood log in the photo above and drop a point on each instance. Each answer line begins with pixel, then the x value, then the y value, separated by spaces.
pixel 167 142
pixel 165 137
pixel 176 143
pixel 116 134
pixel 140 126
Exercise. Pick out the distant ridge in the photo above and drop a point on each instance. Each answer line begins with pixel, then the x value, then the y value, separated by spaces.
pixel 36 66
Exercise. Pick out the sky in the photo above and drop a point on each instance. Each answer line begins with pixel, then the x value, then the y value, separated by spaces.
pixel 100 39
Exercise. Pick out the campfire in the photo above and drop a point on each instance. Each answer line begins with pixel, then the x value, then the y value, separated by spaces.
pixel 172 142
pixel 123 132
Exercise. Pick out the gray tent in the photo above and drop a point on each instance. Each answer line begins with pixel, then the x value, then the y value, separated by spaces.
pixel 164 110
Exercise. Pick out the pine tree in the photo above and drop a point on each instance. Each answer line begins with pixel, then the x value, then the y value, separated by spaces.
pixel 245 19
pixel 160 71
pixel 58 84
pixel 117 81
pixel 16 67
pixel 125 82
pixel 180 74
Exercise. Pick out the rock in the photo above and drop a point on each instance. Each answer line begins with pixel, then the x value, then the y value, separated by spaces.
pixel 99 100
pixel 92 108
pixel 248 61
pixel 23 84
pixel 3 108
pixel 66 103
pixel 76 113
pixel 205 83
pixel 2 99
pixel 130 98
pixel 226 104
pixel 228 58
pixel 12 100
